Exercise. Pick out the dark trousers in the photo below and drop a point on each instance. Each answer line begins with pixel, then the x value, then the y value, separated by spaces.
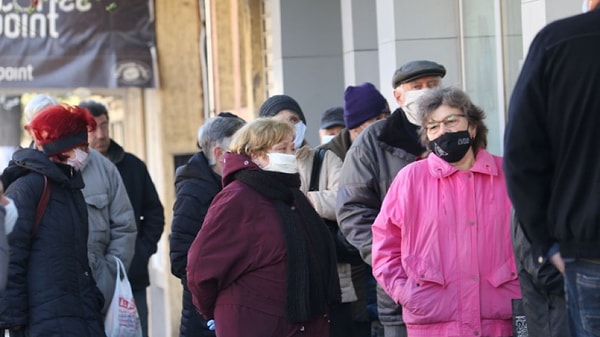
pixel 141 303
pixel 343 323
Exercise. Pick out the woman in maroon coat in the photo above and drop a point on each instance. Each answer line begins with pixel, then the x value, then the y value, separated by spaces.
pixel 263 263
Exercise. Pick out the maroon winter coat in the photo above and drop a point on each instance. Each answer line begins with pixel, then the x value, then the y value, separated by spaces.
pixel 236 267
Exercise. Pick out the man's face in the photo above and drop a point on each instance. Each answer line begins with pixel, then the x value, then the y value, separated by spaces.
pixel 287 116
pixel 427 82
pixel 332 131
pixel 99 139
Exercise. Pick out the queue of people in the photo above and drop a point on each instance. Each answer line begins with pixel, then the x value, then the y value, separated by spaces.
pixel 242 267
pixel 398 224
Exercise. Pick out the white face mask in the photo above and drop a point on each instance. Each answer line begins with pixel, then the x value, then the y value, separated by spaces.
pixel 326 139
pixel 281 162
pixel 584 6
pixel 300 132
pixel 79 161
pixel 410 105
pixel 12 214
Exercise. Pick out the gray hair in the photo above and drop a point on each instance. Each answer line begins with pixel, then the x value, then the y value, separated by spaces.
pixel 217 131
pixel 454 98
pixel 37 104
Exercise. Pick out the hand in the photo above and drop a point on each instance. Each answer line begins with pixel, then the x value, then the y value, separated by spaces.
pixel 211 325
pixel 3 200
pixel 558 262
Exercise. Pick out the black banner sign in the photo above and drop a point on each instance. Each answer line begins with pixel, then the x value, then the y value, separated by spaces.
pixel 77 43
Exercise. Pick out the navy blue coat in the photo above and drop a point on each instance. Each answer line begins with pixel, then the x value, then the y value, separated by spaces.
pixel 196 185
pixel 149 212
pixel 50 290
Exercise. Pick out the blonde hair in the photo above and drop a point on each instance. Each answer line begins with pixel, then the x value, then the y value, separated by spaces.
pixel 259 136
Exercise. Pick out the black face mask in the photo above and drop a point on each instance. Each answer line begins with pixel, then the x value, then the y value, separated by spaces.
pixel 451 146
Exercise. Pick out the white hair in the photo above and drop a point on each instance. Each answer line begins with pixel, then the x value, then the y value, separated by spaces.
pixel 217 131
pixel 37 104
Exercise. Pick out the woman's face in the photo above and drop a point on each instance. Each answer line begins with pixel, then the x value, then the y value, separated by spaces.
pixel 446 119
pixel 286 146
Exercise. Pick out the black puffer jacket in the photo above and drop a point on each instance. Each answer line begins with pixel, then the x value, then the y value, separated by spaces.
pixel 196 185
pixel 149 212
pixel 50 288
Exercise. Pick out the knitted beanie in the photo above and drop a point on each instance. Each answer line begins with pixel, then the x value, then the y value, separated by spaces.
pixel 361 103
pixel 274 104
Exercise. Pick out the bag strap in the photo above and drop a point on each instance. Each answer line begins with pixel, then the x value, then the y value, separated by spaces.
pixel 120 267
pixel 316 168
pixel 41 207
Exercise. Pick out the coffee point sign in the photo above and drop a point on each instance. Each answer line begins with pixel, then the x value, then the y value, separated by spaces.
pixel 77 43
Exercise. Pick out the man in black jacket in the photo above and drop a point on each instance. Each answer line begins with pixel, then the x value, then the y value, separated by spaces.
pixel 551 158
pixel 149 215
pixel 196 184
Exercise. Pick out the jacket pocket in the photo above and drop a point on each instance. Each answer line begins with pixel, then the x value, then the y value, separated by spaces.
pixel 424 295
pixel 423 271
pixel 98 201
pixel 501 287
pixel 504 273
pixel 98 223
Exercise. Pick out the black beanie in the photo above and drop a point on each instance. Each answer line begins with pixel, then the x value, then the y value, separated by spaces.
pixel 274 104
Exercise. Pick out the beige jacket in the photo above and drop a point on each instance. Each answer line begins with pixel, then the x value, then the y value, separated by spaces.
pixel 324 200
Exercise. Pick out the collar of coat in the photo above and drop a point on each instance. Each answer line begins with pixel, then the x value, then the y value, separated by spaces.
pixel 485 163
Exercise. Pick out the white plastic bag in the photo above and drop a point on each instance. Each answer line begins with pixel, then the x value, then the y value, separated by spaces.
pixel 122 318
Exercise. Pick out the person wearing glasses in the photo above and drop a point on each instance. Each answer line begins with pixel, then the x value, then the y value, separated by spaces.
pixel 441 243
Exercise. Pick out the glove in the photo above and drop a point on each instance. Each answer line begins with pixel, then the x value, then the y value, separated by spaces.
pixel 211 325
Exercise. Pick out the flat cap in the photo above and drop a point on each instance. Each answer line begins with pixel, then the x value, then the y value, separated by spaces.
pixel 332 117
pixel 416 69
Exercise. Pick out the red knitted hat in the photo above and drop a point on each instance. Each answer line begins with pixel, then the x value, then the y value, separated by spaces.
pixel 60 128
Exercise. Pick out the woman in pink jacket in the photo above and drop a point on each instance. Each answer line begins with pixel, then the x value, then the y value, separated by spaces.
pixel 441 242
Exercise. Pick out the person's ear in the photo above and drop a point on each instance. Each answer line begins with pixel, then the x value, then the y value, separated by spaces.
pixel 217 152
pixel 472 131
pixel 399 96
pixel 261 159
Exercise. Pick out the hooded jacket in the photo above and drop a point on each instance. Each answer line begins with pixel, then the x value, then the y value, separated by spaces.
pixel 442 248
pixel 50 291
pixel 148 210
pixel 196 184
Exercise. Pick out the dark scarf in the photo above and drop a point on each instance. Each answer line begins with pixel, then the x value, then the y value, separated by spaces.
pixel 398 132
pixel 311 275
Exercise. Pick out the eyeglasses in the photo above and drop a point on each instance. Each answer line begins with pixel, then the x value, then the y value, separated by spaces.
pixel 449 122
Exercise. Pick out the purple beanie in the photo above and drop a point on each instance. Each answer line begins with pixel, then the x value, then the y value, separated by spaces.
pixel 362 103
